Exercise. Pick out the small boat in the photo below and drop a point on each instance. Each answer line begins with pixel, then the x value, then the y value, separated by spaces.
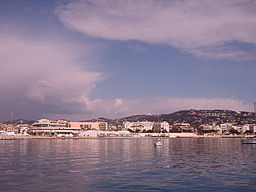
pixel 249 141
pixel 158 143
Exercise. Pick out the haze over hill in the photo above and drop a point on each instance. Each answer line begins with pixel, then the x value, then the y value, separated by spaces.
pixel 193 117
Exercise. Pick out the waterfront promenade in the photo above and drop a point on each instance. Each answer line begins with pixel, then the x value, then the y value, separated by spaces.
pixel 24 137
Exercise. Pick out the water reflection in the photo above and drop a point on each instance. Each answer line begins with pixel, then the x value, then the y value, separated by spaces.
pixel 127 164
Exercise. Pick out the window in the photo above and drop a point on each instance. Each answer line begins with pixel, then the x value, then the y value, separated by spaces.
pixel 86 126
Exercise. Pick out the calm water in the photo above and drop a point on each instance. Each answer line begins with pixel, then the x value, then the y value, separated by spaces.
pixel 204 164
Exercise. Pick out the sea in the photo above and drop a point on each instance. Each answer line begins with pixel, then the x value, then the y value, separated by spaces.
pixel 132 164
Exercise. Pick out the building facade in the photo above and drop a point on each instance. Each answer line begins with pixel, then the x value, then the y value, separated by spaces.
pixel 84 125
pixel 138 126
pixel 142 126
pixel 49 127
pixel 161 127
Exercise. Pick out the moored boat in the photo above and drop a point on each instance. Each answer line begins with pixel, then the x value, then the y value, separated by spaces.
pixel 249 141
pixel 158 143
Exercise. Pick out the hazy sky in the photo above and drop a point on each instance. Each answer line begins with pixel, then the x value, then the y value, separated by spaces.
pixel 86 59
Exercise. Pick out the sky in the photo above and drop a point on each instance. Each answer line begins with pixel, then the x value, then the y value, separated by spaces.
pixel 79 60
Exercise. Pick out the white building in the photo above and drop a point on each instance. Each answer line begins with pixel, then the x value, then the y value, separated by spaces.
pixel 161 126
pixel 245 128
pixel 48 127
pixel 211 128
pixel 138 125
pixel 146 126
pixel 225 127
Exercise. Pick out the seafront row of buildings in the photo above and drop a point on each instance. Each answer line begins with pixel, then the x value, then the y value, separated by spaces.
pixel 47 127
pixel 50 127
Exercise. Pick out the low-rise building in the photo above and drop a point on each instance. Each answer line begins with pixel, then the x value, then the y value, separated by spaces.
pixel 86 125
pixel 144 126
pixel 245 128
pixel 48 127
pixel 21 128
pixel 252 128
pixel 213 129
pixel 138 126
pixel 183 127
pixel 161 127
pixel 226 127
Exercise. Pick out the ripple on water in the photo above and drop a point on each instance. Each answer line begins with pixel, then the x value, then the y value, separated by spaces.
pixel 205 164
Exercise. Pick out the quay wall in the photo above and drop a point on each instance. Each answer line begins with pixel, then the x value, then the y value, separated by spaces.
pixel 92 136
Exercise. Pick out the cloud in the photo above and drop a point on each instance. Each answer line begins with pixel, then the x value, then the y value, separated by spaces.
pixel 204 28
pixel 44 76
pixel 50 78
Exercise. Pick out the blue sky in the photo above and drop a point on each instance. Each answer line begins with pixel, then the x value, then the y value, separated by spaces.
pixel 87 59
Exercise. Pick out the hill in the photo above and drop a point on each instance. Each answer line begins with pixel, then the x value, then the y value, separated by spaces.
pixel 196 117
pixel 193 117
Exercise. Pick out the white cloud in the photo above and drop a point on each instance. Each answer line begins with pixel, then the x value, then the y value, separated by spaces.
pixel 44 75
pixel 203 28
pixel 51 76
pixel 40 78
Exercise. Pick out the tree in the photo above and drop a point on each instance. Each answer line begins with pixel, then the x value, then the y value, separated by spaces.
pixel 130 130
pixel 248 132
pixel 175 130
pixel 137 131
pixel 164 131
pixel 209 131
pixel 234 132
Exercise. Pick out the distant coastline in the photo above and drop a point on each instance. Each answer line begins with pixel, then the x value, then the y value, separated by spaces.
pixel 187 123
pixel 22 137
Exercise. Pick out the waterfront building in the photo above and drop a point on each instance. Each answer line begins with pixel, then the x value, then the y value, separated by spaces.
pixel 113 128
pixel 237 128
pixel 138 125
pixel 161 127
pixel 214 129
pixel 48 127
pixel 183 127
pixel 252 128
pixel 86 125
pixel 142 126
pixel 245 128
pixel 21 128
pixel 226 127
pixel 223 127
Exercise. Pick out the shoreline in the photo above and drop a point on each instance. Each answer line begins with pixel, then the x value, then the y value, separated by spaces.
pixel 21 137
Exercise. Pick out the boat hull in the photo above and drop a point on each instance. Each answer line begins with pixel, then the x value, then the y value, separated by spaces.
pixel 248 141
pixel 158 144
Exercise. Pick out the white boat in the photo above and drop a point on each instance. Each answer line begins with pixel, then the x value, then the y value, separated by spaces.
pixel 158 143
pixel 249 141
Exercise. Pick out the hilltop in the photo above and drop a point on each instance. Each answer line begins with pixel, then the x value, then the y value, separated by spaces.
pixel 197 117
pixel 193 117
